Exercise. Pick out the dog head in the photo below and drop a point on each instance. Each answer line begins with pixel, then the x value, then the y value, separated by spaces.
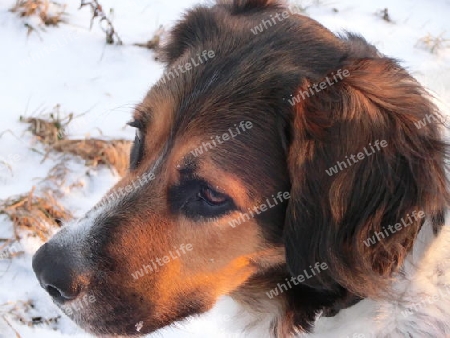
pixel 260 156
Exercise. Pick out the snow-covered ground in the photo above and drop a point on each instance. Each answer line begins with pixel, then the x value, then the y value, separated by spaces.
pixel 70 65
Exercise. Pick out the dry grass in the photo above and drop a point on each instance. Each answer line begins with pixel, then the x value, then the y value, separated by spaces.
pixel 433 43
pixel 155 42
pixel 384 14
pixel 4 164
pixel 25 312
pixel 105 22
pixel 41 215
pixel 49 12
pixel 302 6
pixel 113 153
pixel 51 131
pixel 10 248
pixel 57 179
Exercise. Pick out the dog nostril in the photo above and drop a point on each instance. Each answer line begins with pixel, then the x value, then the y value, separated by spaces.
pixel 54 292
pixel 58 295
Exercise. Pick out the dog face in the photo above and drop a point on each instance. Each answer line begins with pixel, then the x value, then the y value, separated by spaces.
pixel 229 190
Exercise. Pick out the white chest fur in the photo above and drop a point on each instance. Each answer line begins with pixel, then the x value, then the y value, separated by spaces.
pixel 423 305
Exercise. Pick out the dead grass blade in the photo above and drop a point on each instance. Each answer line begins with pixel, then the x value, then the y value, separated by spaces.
pixel 384 14
pixel 433 43
pixel 57 179
pixel 51 131
pixel 39 214
pixel 155 42
pixel 113 153
pixel 25 313
pixel 12 328
pixel 97 12
pixel 49 12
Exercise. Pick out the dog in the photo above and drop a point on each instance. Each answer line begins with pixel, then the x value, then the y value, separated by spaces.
pixel 282 166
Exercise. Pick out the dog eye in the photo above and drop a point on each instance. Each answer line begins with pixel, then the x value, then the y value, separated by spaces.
pixel 194 198
pixel 136 124
pixel 213 198
pixel 137 150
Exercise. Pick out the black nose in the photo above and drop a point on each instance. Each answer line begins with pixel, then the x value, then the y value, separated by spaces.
pixel 57 273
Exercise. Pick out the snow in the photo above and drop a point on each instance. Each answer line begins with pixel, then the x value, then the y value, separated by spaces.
pixel 70 65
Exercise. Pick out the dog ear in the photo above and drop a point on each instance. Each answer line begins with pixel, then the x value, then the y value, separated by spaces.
pixel 246 6
pixel 196 28
pixel 367 166
pixel 199 25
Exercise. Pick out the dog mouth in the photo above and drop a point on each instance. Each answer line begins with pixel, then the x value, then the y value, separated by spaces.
pixel 109 315
pixel 108 325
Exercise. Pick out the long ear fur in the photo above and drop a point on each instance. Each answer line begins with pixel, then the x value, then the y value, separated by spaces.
pixel 332 214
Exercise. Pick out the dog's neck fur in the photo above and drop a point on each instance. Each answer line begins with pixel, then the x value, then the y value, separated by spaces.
pixel 423 289
pixel 421 309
